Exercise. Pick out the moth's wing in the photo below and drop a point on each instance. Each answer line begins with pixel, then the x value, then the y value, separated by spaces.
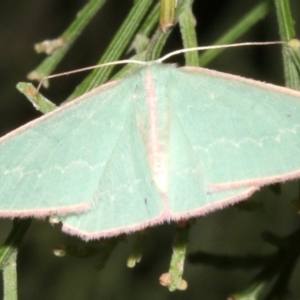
pixel 187 192
pixel 189 186
pixel 237 135
pixel 127 198
pixel 77 157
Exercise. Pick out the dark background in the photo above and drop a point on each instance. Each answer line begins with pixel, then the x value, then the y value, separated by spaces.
pixel 230 231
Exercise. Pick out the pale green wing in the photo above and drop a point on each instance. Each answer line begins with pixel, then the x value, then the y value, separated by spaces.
pixel 75 159
pixel 236 135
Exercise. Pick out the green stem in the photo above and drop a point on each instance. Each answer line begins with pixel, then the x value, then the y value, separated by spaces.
pixel 287 32
pixel 167 14
pixel 8 258
pixel 285 20
pixel 294 52
pixel 15 237
pixel 116 48
pixel 159 38
pixel 241 27
pixel 178 258
pixel 137 251
pixel 10 278
pixel 187 24
pixel 38 100
pixel 69 37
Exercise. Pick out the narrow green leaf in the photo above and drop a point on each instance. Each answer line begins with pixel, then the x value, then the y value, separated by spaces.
pixel 15 237
pixel 187 23
pixel 116 48
pixel 68 37
pixel 167 14
pixel 241 27
pixel 287 32
pixel 37 99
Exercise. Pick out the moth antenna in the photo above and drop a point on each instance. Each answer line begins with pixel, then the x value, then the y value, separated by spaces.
pixel 160 60
pixel 201 48
pixel 113 63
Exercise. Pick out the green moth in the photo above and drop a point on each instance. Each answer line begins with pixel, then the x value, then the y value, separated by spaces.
pixel 163 144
